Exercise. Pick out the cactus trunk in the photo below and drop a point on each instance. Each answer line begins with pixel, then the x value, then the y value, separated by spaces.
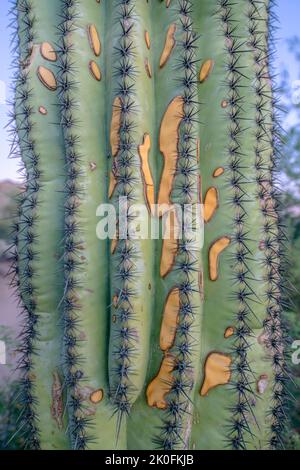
pixel 121 105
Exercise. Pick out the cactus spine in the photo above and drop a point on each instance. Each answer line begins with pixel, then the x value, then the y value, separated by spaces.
pixel 165 102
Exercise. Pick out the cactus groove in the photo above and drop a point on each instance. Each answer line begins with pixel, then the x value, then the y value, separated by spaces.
pixel 125 104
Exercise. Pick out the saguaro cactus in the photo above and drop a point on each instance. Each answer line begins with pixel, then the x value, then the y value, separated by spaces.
pixel 140 342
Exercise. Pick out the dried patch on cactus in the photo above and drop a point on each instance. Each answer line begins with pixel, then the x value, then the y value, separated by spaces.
pixel 262 384
pixel 168 3
pixel 218 172
pixel 170 242
pixel 206 69
pixel 147 40
pixel 229 332
pixel 112 184
pixel 170 320
pixel 97 396
pixel 94 40
pixel 148 68
pixel 214 252
pixel 149 193
pixel 43 110
pixel 168 144
pixel 115 126
pixel 57 400
pixel 162 384
pixel 201 284
pixel 211 203
pixel 217 372
pixel 95 70
pixel 48 52
pixel 169 45
pixel 47 78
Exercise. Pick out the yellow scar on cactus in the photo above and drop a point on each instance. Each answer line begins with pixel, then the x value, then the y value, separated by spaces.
pixel 206 70
pixel 161 385
pixel 170 320
pixel 168 144
pixel 47 78
pixel 169 45
pixel 94 40
pixel 144 150
pixel 147 40
pixel 115 139
pixel 211 204
pixel 229 332
pixel 218 172
pixel 95 70
pixel 148 68
pixel 214 252
pixel 170 242
pixel 48 52
pixel 216 372
pixel 97 396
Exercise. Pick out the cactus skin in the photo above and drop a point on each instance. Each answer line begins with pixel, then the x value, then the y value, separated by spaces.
pixel 150 97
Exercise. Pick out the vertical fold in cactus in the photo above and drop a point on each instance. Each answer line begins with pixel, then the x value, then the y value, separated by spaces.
pixel 132 134
pixel 82 81
pixel 40 227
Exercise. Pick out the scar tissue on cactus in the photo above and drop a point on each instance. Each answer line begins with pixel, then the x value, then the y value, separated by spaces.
pixel 142 343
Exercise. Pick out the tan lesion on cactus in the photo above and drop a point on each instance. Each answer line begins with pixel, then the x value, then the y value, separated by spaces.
pixel 97 396
pixel 161 385
pixel 168 144
pixel 115 141
pixel 216 371
pixel 43 111
pixel 148 68
pixel 211 203
pixel 205 70
pixel 218 172
pixel 168 3
pixel 112 183
pixel 229 332
pixel 94 40
pixel 57 400
pixel 214 253
pixel 47 52
pixel 147 39
pixel 170 320
pixel 95 70
pixel 201 284
pixel 115 240
pixel 148 183
pixel 170 242
pixel 169 45
pixel 47 78
pixel 262 384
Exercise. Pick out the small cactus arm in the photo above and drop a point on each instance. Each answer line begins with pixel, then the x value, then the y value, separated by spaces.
pixel 166 102
pixel 40 226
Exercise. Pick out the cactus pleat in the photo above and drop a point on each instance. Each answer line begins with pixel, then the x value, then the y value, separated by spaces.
pixel 131 103
pixel 40 229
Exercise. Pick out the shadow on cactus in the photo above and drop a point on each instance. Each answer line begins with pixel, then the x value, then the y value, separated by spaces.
pixel 159 102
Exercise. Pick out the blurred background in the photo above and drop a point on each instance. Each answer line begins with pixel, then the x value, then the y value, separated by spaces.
pixel 287 67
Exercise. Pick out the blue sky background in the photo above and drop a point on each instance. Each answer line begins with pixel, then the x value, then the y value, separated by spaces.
pixel 288 11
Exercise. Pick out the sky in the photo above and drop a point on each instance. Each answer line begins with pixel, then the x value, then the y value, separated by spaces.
pixel 288 12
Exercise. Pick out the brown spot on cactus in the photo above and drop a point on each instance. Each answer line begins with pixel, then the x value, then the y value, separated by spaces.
pixel 201 284
pixel 93 166
pixel 198 150
pixel 170 242
pixel 97 396
pixel 48 52
pixel 206 70
pixel 115 126
pixel 94 40
pixel 115 301
pixel 218 172
pixel 229 332
pixel 168 3
pixel 43 110
pixel 214 252
pixel 169 45
pixel 224 104
pixel 148 68
pixel 149 193
pixel 57 400
pixel 147 40
pixel 95 70
pixel 216 372
pixel 168 142
pixel 47 78
pixel 170 320
pixel 262 384
pixel 211 203
pixel 161 385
